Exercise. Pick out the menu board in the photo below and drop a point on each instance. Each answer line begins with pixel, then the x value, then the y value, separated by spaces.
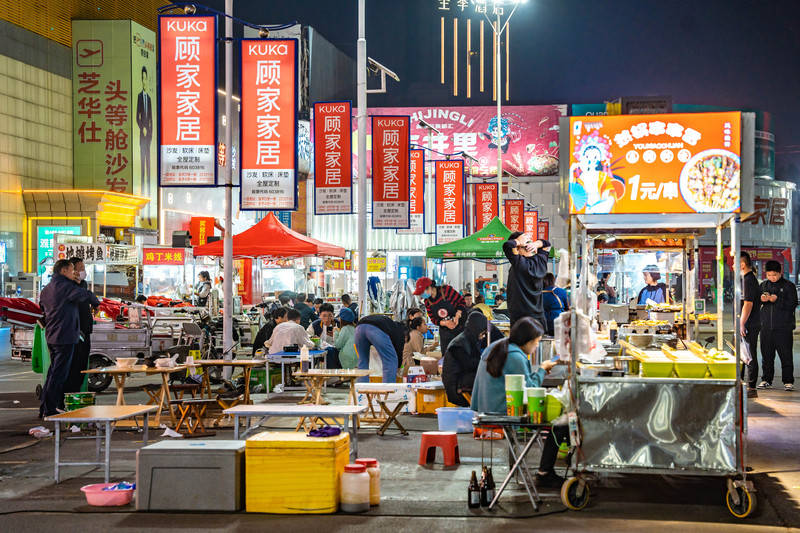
pixel 673 163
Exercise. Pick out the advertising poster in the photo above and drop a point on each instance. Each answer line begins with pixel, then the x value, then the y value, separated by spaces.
pixel 200 228
pixel 675 163
pixel 187 100
pixel 416 178
pixel 527 136
pixel 514 215
pixel 333 162
pixel 544 230
pixel 102 105
pixel 268 125
pixel 163 256
pixel 531 223
pixel 449 201
pixel 45 242
pixel 144 112
pixel 390 169
pixel 486 207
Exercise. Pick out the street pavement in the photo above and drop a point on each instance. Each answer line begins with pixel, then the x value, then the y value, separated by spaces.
pixel 413 498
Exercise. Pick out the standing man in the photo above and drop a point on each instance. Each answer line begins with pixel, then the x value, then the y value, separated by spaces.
pixel 750 320
pixel 446 309
pixel 778 303
pixel 59 301
pixel 528 259
pixel 311 285
pixel 80 357
pixel 144 119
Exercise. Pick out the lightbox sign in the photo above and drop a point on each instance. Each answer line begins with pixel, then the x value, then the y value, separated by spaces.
pixel 515 214
pixel 674 163
pixel 416 178
pixel 333 162
pixel 187 100
pixel 486 207
pixel 449 201
pixel 531 223
pixel 45 241
pixel 390 169
pixel 269 124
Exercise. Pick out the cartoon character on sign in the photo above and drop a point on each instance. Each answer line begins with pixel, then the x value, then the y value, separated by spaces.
pixel 593 187
pixel 501 136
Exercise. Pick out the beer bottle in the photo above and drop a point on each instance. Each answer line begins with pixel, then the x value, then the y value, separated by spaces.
pixel 490 487
pixel 473 493
pixel 482 486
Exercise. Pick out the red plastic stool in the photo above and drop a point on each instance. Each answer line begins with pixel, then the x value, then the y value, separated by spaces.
pixel 446 440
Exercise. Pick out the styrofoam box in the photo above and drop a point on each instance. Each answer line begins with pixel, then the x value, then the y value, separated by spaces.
pixel 404 391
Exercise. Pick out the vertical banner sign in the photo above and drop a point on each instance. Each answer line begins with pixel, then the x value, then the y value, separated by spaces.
pixel 485 204
pixel 269 125
pixel 449 201
pixel 101 116
pixel 144 116
pixel 531 224
pixel 544 230
pixel 200 229
pixel 187 51
pixel 390 169
pixel 416 178
pixel 514 211
pixel 333 160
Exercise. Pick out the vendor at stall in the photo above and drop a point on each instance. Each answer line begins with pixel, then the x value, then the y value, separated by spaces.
pixel 653 290
pixel 446 308
pixel 203 288
pixel 512 356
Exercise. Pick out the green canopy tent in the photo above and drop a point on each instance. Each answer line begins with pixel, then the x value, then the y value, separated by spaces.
pixel 486 244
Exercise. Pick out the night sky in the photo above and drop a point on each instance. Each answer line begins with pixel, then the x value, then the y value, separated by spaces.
pixel 731 53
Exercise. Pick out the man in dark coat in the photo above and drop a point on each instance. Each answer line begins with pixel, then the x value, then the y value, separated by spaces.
pixel 528 259
pixel 278 316
pixel 59 301
pixel 463 355
pixel 80 357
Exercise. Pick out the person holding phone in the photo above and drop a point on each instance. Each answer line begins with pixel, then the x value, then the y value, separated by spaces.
pixel 778 304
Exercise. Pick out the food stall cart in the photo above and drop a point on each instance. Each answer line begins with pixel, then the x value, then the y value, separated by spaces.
pixel 685 412
pixel 168 272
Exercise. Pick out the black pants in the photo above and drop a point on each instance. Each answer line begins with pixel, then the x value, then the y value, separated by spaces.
pixel 777 341
pixel 80 362
pixel 557 435
pixel 752 343
pixel 332 358
pixel 446 335
pixel 57 375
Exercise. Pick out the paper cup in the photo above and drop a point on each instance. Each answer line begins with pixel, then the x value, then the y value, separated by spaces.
pixel 536 404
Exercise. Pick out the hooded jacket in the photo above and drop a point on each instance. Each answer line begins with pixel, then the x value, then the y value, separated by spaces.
pixel 525 282
pixel 463 355
pixel 779 315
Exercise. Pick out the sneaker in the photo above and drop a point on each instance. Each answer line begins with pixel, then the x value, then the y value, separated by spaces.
pixel 752 393
pixel 764 385
pixel 788 386
pixel 548 480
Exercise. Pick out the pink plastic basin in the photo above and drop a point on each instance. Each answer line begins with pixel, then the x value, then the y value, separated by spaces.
pixel 95 495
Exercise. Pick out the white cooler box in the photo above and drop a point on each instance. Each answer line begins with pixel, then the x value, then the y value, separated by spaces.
pixel 403 391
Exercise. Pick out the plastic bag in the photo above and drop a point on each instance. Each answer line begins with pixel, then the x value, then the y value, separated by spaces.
pixel 744 353
pixel 562 278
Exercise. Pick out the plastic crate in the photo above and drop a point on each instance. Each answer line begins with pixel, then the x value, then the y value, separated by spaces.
pixel 458 419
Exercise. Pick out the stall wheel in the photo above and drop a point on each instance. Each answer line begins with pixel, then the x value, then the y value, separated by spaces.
pixel 38 392
pixel 741 501
pixel 575 493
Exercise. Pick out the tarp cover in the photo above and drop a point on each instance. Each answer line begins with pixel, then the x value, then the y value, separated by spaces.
pixel 270 238
pixel 484 244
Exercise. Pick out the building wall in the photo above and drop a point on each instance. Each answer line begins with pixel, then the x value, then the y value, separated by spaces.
pixel 35 126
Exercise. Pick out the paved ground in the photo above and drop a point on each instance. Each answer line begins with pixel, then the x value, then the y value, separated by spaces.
pixel 413 497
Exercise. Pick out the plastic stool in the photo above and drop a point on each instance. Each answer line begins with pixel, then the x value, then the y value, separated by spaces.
pixel 446 440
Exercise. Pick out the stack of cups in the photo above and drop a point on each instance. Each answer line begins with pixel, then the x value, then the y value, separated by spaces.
pixel 536 404
pixel 515 394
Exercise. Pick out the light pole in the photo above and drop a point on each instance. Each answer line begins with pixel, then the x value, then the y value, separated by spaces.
pixel 227 245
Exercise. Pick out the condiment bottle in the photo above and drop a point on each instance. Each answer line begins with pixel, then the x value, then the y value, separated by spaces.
pixel 354 493
pixel 473 492
pixel 304 359
pixel 374 471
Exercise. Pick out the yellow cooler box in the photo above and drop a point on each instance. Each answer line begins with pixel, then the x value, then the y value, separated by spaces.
pixel 292 473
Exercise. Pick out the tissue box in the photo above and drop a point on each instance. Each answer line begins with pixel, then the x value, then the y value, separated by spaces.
pixel 403 391
pixel 190 475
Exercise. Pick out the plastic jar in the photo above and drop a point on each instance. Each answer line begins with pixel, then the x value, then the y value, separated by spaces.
pixel 354 493
pixel 374 471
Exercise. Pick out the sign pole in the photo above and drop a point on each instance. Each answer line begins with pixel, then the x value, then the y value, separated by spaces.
pixel 227 250
pixel 361 66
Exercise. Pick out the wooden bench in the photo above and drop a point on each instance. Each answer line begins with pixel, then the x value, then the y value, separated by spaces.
pixel 191 412
pixel 105 415
pixel 384 416
pixel 347 413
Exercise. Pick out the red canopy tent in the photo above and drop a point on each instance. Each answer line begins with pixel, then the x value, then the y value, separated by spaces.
pixel 270 238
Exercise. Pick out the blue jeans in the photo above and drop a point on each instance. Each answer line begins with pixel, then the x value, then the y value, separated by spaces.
pixel 368 335
pixel 57 376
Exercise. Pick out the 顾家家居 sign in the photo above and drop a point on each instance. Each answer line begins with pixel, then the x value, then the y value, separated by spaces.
pixel 675 163
pixel 514 214
pixel 449 201
pixel 390 172
pixel 531 223
pixel 416 188
pixel 269 124
pixel 333 162
pixel 486 207
pixel 188 100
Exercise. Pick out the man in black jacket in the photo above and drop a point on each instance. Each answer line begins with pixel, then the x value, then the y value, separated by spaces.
pixel 305 306
pixel 59 301
pixel 778 303
pixel 80 357
pixel 750 321
pixel 277 316
pixel 528 259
